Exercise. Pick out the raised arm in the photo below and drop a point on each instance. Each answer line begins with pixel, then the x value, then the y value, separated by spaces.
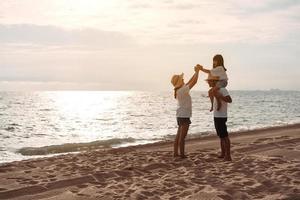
pixel 194 78
pixel 203 69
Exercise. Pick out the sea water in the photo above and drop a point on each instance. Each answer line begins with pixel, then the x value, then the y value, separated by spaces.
pixel 123 118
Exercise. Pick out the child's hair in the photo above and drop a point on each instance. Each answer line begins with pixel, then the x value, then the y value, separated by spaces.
pixel 220 61
pixel 175 92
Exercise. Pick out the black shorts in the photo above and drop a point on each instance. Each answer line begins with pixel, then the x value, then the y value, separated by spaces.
pixel 183 121
pixel 221 128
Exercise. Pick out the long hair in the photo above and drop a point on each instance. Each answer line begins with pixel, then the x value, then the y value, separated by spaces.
pixel 175 92
pixel 220 61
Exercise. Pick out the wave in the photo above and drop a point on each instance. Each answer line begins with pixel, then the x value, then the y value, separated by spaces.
pixel 10 129
pixel 46 109
pixel 14 124
pixel 73 147
pixel 119 142
pixel 104 119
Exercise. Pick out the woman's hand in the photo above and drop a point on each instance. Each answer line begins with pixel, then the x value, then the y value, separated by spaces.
pixel 198 67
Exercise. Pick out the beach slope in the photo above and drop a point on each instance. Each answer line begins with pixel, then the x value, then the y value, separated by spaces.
pixel 265 165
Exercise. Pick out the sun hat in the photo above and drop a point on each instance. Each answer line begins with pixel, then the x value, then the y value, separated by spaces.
pixel 175 80
pixel 212 78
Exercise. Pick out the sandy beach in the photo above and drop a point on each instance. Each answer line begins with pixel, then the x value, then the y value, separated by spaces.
pixel 266 165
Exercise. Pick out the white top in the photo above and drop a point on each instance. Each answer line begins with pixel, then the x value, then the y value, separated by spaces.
pixel 220 72
pixel 184 109
pixel 222 113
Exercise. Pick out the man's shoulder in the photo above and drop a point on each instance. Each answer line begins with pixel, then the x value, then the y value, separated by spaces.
pixel 224 91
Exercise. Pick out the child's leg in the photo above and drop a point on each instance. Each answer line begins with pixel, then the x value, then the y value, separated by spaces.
pixel 176 142
pixel 183 133
pixel 211 97
pixel 214 91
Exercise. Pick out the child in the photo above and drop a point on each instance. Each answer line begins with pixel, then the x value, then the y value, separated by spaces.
pixel 184 110
pixel 218 72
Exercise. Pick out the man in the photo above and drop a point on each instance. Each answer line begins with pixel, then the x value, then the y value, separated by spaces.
pixel 220 118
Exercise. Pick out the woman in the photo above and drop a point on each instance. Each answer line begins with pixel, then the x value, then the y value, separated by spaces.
pixel 184 110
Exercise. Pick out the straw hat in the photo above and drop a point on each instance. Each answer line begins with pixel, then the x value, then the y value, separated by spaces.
pixel 212 78
pixel 175 80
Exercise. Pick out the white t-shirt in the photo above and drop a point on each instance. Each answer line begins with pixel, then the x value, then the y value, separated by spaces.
pixel 184 109
pixel 222 113
pixel 220 72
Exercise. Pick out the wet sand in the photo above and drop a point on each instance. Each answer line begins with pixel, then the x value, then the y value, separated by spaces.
pixel 266 165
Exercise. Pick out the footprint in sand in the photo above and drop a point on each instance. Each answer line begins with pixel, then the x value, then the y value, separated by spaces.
pixel 249 183
pixel 32 182
pixel 51 176
pixel 155 166
pixel 138 196
pixel 82 186
pixel 283 137
pixel 74 191
pixel 261 140
pixel 146 193
pixel 152 177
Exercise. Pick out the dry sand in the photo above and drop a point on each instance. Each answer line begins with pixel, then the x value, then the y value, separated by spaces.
pixel 266 165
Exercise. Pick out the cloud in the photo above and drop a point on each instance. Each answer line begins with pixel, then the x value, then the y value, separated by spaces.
pixel 138 43
pixel 30 34
pixel 262 6
pixel 50 85
pixel 185 6
pixel 125 22
pixel 140 6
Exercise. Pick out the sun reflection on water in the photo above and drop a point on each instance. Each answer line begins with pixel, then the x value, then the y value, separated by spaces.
pixel 83 109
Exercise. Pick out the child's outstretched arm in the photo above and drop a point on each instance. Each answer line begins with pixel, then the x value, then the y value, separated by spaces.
pixel 203 69
pixel 206 71
pixel 194 78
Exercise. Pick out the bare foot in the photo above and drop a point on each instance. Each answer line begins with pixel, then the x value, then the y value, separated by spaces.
pixel 227 159
pixel 183 156
pixel 211 109
pixel 221 156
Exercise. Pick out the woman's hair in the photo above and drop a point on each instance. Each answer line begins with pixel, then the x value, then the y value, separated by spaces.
pixel 220 61
pixel 175 92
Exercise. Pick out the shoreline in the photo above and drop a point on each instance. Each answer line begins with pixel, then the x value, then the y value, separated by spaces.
pixel 43 152
pixel 265 165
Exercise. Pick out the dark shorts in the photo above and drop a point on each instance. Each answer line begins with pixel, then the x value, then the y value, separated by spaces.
pixel 183 121
pixel 221 128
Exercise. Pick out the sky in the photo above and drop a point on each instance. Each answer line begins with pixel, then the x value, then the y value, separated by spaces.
pixel 139 44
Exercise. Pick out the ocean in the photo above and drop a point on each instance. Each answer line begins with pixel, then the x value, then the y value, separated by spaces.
pixel 77 120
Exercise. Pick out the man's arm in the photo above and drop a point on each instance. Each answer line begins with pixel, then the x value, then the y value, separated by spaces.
pixel 224 98
pixel 227 99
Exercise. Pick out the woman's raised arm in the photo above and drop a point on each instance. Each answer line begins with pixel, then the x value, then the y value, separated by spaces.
pixel 194 78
